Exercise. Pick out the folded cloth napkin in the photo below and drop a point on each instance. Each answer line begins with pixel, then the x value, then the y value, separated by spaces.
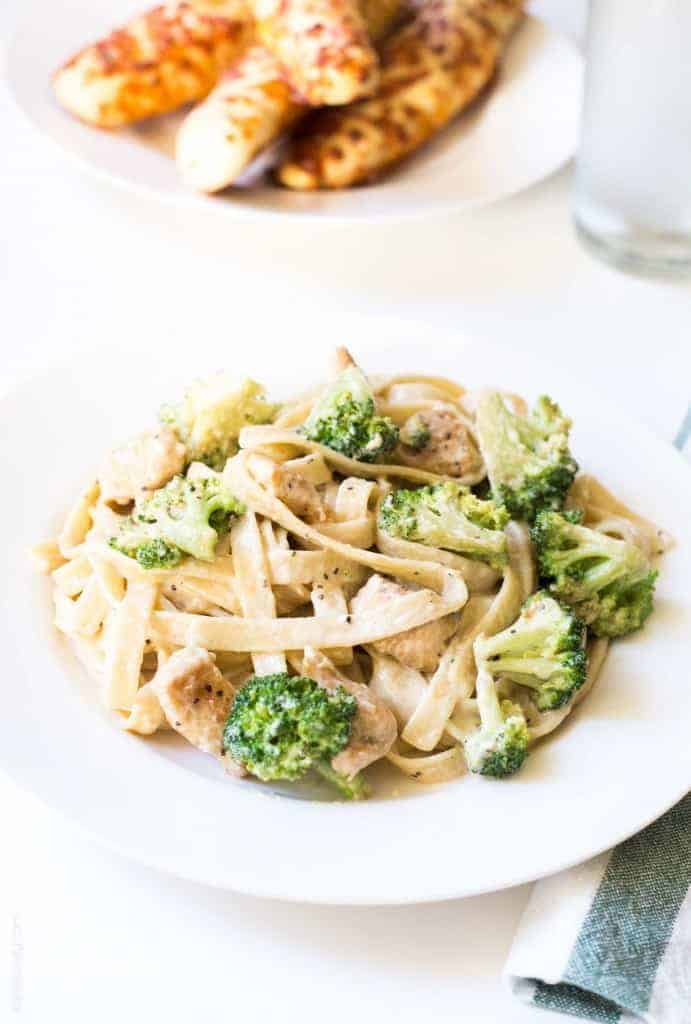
pixel 610 940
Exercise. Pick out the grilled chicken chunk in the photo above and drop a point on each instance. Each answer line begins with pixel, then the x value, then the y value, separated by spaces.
pixel 438 441
pixel 420 648
pixel 431 69
pixel 323 46
pixel 374 726
pixel 252 105
pixel 196 700
pixel 300 495
pixel 291 487
pixel 143 464
pixel 171 55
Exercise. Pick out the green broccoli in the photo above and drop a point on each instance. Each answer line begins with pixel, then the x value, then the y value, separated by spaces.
pixel 280 726
pixel 500 745
pixel 609 582
pixel 187 515
pixel 138 541
pixel 350 789
pixel 344 419
pixel 543 650
pixel 213 412
pixel 415 433
pixel 449 516
pixel 528 460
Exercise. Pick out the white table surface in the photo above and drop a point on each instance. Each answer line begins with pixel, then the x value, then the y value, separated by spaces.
pixel 92 936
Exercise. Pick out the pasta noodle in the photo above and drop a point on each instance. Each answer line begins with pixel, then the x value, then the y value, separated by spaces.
pixel 78 522
pixel 307 578
pixel 261 438
pixel 256 596
pixel 605 512
pixel 124 645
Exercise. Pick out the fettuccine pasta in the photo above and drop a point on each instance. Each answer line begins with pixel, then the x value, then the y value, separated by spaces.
pixel 365 536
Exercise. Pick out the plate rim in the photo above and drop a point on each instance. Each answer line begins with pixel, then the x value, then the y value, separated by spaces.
pixel 266 892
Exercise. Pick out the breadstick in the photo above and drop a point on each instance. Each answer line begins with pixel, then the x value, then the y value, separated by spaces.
pixel 431 70
pixel 169 56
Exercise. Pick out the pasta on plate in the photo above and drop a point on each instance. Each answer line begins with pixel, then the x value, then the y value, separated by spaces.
pixel 393 568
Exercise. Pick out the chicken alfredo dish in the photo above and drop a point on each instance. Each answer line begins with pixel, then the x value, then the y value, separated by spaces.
pixel 389 568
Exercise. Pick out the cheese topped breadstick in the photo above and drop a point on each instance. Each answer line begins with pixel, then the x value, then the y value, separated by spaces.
pixel 323 46
pixel 248 109
pixel 171 55
pixel 431 69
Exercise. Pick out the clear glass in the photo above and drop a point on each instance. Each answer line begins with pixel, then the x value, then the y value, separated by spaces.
pixel 632 202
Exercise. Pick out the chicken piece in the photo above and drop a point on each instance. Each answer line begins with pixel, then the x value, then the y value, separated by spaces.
pixel 431 69
pixel 143 464
pixel 289 486
pixel 196 700
pixel 170 55
pixel 374 727
pixel 420 648
pixel 438 441
pixel 251 106
pixel 323 46
pixel 300 495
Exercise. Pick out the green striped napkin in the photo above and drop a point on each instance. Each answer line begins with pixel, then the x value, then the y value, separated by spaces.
pixel 610 940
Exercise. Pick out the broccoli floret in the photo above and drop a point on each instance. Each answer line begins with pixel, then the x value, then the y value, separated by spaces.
pixel 609 582
pixel 544 650
pixel 213 412
pixel 350 789
pixel 190 512
pixel 528 460
pixel 415 433
pixel 449 516
pixel 500 745
pixel 187 515
pixel 344 419
pixel 137 541
pixel 280 726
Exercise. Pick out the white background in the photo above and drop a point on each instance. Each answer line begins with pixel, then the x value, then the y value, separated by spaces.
pixel 90 936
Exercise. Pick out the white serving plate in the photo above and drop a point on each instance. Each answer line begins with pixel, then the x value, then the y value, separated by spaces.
pixel 523 130
pixel 622 759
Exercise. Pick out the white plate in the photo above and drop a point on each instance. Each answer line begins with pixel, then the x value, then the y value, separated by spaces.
pixel 622 760
pixel 524 130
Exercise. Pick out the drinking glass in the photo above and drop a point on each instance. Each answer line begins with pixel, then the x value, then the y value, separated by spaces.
pixel 632 201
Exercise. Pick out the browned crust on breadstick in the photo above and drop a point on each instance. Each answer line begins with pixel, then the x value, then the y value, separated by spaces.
pixel 431 70
pixel 171 55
